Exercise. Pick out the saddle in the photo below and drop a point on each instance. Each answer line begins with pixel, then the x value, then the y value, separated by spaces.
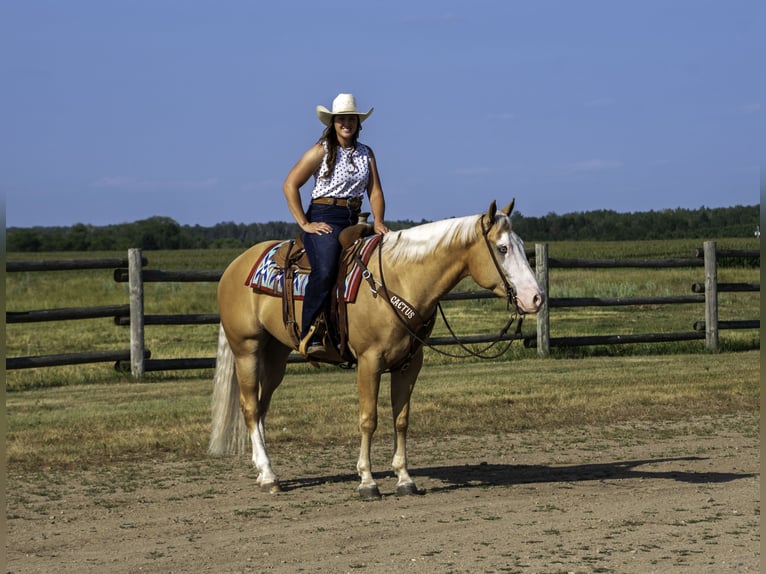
pixel 332 324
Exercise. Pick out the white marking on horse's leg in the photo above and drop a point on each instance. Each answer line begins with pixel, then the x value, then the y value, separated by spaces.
pixel 399 463
pixel 368 488
pixel 404 484
pixel 261 458
pixel 363 465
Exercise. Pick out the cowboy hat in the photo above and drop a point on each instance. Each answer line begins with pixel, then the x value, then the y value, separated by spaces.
pixel 343 104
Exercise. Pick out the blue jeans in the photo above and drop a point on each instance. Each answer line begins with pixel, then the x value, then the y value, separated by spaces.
pixel 323 252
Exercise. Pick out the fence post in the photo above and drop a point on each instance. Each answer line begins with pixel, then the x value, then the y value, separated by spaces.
pixel 543 318
pixel 136 284
pixel 711 296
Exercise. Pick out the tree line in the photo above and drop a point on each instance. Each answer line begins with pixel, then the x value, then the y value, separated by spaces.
pixel 602 225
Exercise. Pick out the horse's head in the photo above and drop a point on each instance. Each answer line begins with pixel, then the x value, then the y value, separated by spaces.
pixel 501 264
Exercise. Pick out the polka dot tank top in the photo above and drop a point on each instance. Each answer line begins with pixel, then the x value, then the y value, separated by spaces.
pixel 350 177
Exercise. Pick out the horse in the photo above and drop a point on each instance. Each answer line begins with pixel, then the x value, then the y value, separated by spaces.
pixel 412 270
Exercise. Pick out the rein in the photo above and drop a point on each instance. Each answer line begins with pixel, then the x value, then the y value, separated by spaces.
pixel 428 324
pixel 482 354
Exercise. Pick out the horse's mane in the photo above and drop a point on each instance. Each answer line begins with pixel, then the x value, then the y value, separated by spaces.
pixel 414 244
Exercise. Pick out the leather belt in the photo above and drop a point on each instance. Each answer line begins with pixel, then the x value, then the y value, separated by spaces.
pixel 352 202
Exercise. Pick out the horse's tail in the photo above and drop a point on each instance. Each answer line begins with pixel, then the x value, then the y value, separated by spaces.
pixel 228 434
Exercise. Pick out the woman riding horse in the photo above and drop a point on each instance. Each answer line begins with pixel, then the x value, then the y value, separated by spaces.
pixel 343 170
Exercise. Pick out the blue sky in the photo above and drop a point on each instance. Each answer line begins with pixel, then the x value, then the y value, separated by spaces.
pixel 115 111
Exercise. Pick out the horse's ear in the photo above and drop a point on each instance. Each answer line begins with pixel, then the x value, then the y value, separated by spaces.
pixel 509 208
pixel 491 211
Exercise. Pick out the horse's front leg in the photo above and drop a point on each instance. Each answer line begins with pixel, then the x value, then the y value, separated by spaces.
pixel 402 384
pixel 368 384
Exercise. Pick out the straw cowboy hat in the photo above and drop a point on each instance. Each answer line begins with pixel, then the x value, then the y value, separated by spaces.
pixel 343 104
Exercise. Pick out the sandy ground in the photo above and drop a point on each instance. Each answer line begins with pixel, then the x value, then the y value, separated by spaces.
pixel 668 497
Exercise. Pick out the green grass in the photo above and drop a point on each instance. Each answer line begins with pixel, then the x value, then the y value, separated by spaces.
pixel 651 249
pixel 45 290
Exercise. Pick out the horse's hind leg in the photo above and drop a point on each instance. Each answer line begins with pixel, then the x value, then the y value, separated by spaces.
pixel 402 384
pixel 259 373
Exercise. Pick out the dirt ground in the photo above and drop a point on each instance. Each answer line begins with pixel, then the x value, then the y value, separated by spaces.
pixel 668 497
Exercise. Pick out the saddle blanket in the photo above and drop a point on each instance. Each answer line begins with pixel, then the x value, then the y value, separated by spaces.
pixel 268 277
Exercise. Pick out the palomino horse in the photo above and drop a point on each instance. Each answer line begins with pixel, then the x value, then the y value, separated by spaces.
pixel 419 265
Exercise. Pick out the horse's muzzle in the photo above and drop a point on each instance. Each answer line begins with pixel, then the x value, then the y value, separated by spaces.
pixel 531 304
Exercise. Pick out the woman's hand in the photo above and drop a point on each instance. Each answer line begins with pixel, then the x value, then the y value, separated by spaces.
pixel 317 228
pixel 380 227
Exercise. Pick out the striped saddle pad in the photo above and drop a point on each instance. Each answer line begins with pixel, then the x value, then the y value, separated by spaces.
pixel 267 276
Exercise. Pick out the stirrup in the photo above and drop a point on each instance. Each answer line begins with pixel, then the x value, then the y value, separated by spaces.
pixel 306 348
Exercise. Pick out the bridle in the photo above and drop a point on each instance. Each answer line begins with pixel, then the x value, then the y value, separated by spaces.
pixel 510 292
pixel 483 353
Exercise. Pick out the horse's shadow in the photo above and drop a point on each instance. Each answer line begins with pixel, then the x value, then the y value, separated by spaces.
pixel 484 475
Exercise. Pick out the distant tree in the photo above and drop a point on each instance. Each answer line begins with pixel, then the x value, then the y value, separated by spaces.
pixel 76 238
pixel 157 233
pixel 165 233
pixel 25 240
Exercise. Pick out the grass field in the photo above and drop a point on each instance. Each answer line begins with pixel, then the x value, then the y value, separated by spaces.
pixel 46 290
pixel 79 416
pixel 81 426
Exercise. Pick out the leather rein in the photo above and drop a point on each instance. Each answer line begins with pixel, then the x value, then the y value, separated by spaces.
pixel 419 337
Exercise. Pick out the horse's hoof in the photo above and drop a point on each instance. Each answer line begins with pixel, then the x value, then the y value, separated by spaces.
pixel 271 487
pixel 406 489
pixel 369 492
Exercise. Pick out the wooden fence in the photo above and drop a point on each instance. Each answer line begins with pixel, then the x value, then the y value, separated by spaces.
pixel 132 271
pixel 706 257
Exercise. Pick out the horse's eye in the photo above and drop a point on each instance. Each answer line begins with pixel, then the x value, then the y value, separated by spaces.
pixel 502 249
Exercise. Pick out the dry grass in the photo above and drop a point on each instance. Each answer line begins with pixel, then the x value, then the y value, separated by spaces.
pixel 86 425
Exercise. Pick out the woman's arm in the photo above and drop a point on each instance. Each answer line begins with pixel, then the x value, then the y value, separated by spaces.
pixel 299 175
pixel 377 200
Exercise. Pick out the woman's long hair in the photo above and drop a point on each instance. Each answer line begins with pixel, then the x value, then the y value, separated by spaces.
pixel 330 136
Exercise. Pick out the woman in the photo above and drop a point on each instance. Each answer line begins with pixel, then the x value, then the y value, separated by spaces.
pixel 343 171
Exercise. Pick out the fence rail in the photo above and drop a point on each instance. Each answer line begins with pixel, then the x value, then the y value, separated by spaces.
pixel 138 359
pixel 70 359
pixel 67 264
pixel 117 311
